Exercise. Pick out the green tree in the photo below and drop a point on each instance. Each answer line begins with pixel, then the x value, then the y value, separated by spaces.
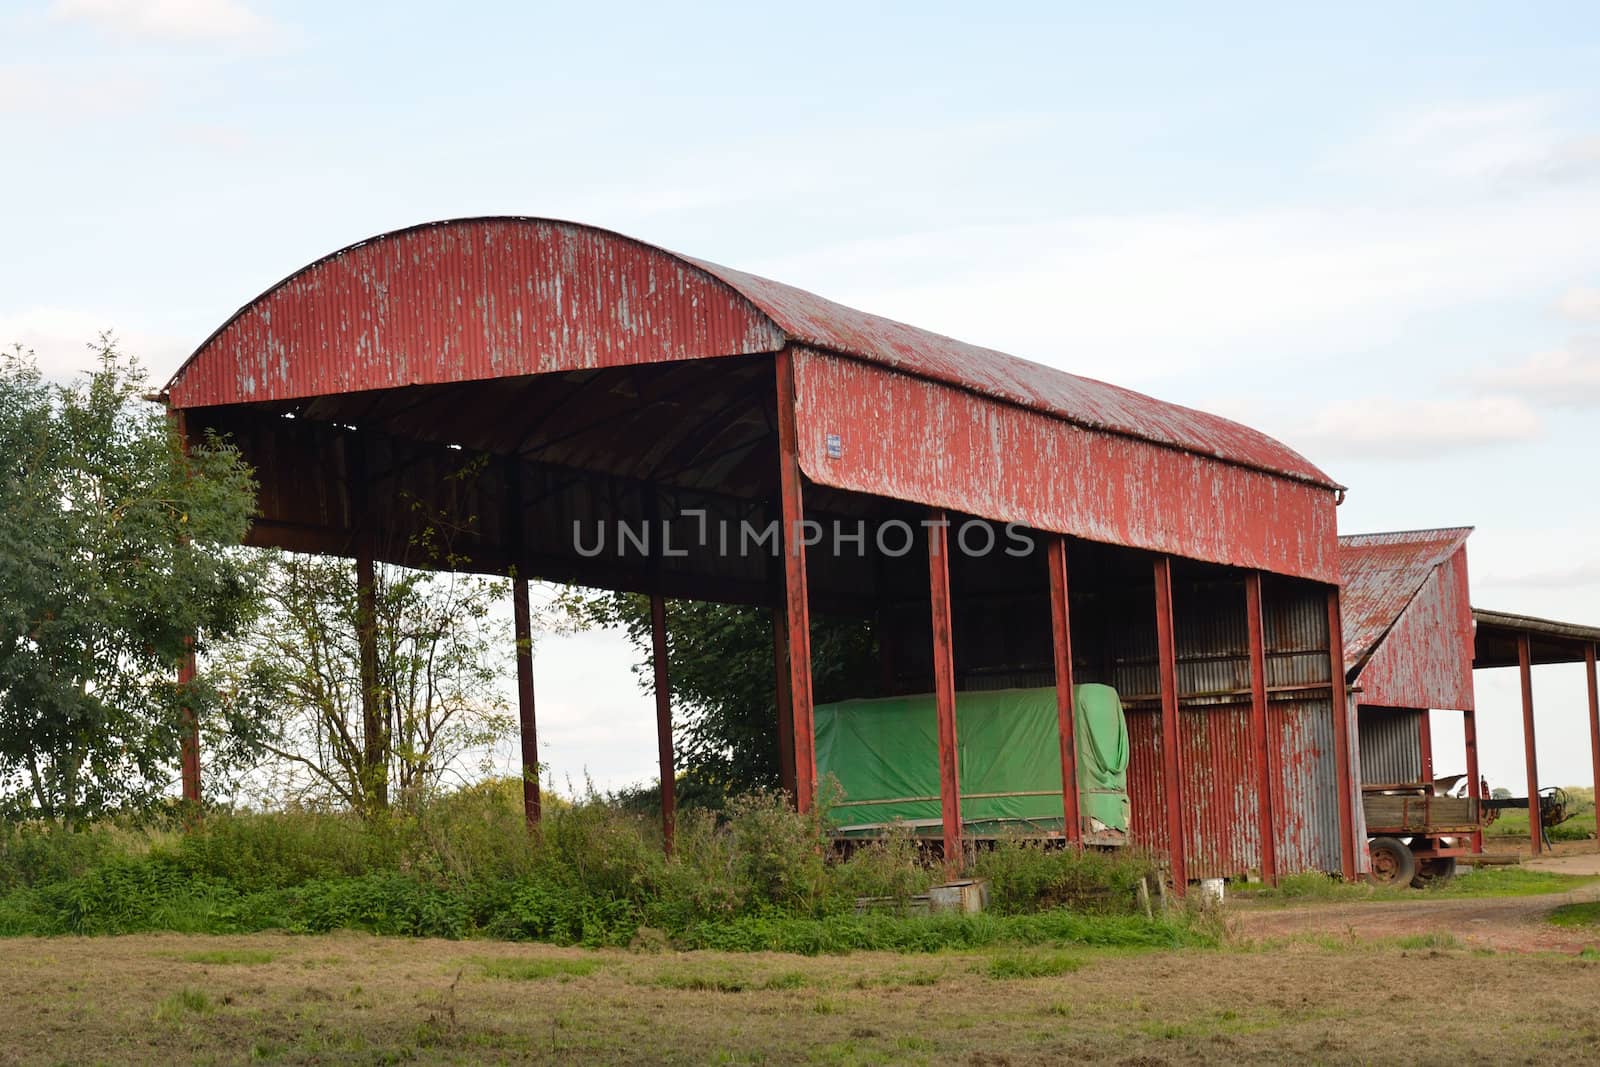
pixel 442 653
pixel 116 548
pixel 720 664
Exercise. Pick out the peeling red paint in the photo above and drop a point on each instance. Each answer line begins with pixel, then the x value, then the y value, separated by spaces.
pixel 913 439
pixel 1408 618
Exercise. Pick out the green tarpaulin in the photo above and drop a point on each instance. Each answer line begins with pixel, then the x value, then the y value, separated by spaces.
pixel 884 754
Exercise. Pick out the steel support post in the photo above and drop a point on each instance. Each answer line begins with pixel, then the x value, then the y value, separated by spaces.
pixel 1525 669
pixel 944 688
pixel 1171 780
pixel 525 712
pixel 669 778
pixel 1469 733
pixel 1425 744
pixel 374 753
pixel 1594 712
pixel 1066 703
pixel 797 611
pixel 1340 697
pixel 1258 728
pixel 780 674
pixel 189 745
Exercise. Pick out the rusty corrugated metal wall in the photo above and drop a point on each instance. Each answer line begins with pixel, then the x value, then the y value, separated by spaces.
pixel 1219 773
pixel 1300 727
pixel 1391 745
pixel 869 430
pixel 1425 659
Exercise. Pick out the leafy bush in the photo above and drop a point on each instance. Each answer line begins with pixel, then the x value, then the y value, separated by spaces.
pixel 1027 875
pixel 754 876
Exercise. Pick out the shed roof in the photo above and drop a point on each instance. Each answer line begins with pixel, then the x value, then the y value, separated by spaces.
pixel 511 304
pixel 1381 574
pixel 1550 641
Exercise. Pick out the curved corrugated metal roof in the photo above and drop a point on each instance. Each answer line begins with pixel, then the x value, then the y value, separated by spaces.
pixel 1381 574
pixel 811 320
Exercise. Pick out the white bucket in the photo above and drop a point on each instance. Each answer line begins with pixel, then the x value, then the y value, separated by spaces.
pixel 1212 889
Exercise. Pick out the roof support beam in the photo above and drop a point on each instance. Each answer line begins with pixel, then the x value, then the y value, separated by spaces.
pixel 944 688
pixel 663 692
pixel 1258 728
pixel 529 733
pixel 1594 711
pixel 1525 671
pixel 1469 733
pixel 780 674
pixel 1339 695
pixel 1066 699
pixel 1171 778
pixel 797 612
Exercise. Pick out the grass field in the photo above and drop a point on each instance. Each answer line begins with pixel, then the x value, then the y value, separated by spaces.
pixel 346 998
pixel 1487 882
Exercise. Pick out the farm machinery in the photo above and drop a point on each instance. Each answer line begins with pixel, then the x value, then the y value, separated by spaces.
pixel 1416 832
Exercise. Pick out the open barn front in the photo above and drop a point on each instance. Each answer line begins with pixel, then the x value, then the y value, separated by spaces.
pixel 551 401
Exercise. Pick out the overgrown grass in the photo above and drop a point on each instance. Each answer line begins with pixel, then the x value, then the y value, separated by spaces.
pixel 1587 914
pixel 757 877
pixel 1482 882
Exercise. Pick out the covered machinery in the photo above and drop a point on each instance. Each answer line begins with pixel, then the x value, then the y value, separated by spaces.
pixel 884 753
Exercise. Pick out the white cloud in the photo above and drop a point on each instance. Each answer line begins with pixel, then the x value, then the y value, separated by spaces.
pixel 1566 377
pixel 1396 428
pixel 167 19
pixel 1581 304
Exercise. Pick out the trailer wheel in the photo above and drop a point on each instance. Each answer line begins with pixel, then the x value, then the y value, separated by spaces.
pixel 1392 862
pixel 1434 870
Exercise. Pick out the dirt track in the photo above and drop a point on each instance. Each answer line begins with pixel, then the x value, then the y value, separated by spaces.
pixel 1514 924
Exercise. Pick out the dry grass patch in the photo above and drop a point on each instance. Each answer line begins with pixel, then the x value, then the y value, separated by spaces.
pixel 375 1000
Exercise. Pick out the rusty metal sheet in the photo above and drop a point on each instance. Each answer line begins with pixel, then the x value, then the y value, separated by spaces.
pixel 1425 659
pixel 1221 820
pixel 1305 783
pixel 822 324
pixel 469 300
pixel 912 439
pixel 1147 823
pixel 496 297
pixel 1380 574
pixel 1391 745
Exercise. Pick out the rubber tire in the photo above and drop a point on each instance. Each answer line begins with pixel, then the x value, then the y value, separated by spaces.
pixel 1392 862
pixel 1434 870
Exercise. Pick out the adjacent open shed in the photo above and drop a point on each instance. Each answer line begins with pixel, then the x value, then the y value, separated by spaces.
pixel 593 409
pixel 1412 642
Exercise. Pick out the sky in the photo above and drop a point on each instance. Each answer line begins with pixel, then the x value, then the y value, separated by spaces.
pixel 1370 230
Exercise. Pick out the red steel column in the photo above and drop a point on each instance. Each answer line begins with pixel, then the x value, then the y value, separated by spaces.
pixel 1469 732
pixel 189 743
pixel 797 611
pixel 1171 784
pixel 780 674
pixel 1066 702
pixel 1341 737
pixel 374 755
pixel 1594 713
pixel 1258 727
pixel 189 746
pixel 1525 668
pixel 525 716
pixel 669 777
pixel 1425 744
pixel 944 688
